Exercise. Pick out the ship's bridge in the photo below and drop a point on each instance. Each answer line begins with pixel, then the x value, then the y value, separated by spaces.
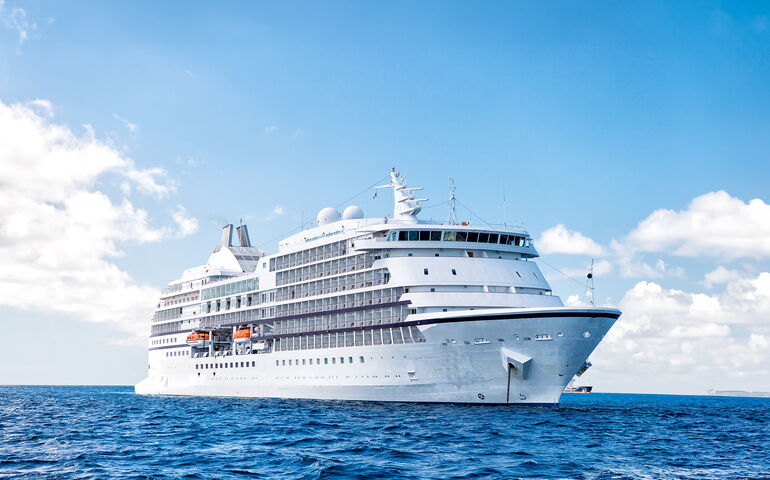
pixel 451 237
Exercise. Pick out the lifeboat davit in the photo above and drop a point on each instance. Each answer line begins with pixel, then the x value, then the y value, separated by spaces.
pixel 198 339
pixel 242 335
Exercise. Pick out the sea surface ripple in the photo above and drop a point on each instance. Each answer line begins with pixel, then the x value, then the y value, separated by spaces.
pixel 109 432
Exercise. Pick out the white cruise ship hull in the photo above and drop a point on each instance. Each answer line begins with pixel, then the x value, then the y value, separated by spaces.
pixel 491 356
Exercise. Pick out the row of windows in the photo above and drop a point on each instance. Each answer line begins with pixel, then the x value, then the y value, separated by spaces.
pixel 168 314
pixel 161 341
pixel 309 361
pixel 194 284
pixel 178 353
pixel 351 300
pixel 333 321
pixel 457 236
pixel 325 269
pixel 323 252
pixel 334 284
pixel 206 366
pixel 358 299
pixel 178 300
pixel 166 328
pixel 377 336
pixel 234 288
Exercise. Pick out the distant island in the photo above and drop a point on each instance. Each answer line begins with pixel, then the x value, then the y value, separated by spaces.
pixel 738 393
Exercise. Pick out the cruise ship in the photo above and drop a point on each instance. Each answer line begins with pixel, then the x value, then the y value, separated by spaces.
pixel 392 309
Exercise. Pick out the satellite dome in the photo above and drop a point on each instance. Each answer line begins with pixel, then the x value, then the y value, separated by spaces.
pixel 327 215
pixel 352 212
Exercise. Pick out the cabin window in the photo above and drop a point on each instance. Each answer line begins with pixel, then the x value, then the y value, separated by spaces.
pixel 449 236
pixel 402 235
pixel 483 238
pixel 361 359
pixel 342 359
pixel 461 236
pixel 326 361
pixel 473 236
pixel 412 235
pixel 454 272
pixel 492 238
pixel 424 271
pixel 334 360
pixel 424 235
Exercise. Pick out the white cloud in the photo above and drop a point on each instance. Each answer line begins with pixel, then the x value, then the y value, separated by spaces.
pixel 58 231
pixel 631 266
pixel 269 130
pixel 278 210
pixel 682 342
pixel 601 268
pixel 44 106
pixel 150 181
pixel 719 276
pixel 131 126
pixel 15 18
pixel 715 224
pixel 559 239
pixel 186 224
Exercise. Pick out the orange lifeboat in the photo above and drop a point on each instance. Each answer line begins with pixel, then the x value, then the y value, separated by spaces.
pixel 198 339
pixel 242 335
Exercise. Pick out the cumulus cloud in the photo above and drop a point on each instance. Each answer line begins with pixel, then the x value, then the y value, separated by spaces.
pixel 278 210
pixel 269 130
pixel 715 224
pixel 675 341
pixel 559 239
pixel 720 275
pixel 59 231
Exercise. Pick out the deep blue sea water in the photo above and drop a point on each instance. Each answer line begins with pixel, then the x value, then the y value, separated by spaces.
pixel 109 432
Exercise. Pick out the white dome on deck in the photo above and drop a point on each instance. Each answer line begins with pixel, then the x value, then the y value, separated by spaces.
pixel 352 212
pixel 327 215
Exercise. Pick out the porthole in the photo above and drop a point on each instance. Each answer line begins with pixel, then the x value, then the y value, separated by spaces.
pixel 587 334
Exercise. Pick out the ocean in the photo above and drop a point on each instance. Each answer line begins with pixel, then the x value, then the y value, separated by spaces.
pixel 109 432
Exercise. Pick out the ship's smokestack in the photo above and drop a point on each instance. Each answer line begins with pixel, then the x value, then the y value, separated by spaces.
pixel 243 236
pixel 227 236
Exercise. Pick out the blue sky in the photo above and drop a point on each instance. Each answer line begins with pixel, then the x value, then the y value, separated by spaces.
pixel 592 116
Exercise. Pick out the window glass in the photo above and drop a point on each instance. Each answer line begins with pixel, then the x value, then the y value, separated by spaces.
pixel 412 235
pixel 473 236
pixel 449 236
pixel 483 237
pixel 424 235
pixel 435 236
pixel 504 239
pixel 492 238
pixel 461 236
pixel 454 272
pixel 402 235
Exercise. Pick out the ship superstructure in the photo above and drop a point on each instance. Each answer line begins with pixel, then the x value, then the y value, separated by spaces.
pixel 381 309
